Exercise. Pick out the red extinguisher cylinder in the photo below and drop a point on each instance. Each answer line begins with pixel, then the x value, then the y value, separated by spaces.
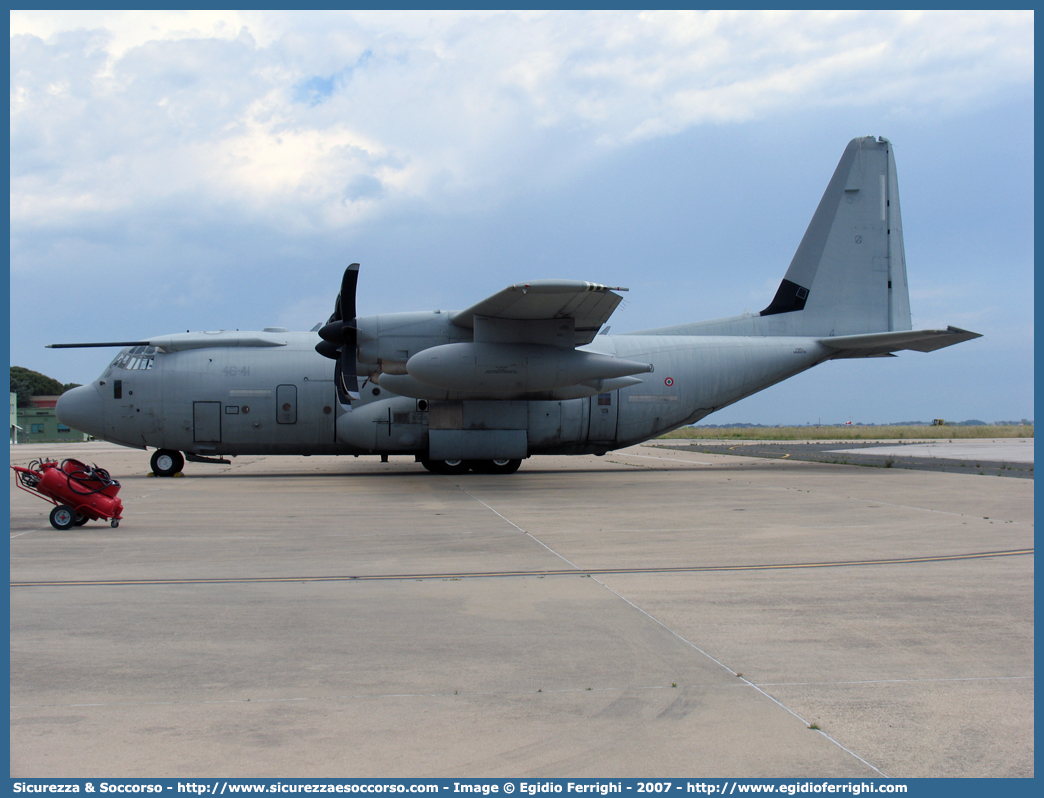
pixel 80 487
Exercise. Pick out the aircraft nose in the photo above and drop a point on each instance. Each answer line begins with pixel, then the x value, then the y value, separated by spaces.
pixel 82 409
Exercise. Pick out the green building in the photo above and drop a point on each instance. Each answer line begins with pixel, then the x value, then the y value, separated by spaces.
pixel 38 423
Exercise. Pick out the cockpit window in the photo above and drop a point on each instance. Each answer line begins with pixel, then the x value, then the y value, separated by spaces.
pixel 138 357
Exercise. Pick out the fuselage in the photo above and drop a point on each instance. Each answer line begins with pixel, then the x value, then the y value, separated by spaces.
pixel 281 399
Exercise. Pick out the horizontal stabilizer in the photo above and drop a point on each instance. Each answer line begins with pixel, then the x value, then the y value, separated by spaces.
pixel 884 343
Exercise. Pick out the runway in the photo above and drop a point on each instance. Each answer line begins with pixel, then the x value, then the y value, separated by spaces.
pixel 649 613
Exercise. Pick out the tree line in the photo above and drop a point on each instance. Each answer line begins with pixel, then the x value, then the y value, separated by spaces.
pixel 28 383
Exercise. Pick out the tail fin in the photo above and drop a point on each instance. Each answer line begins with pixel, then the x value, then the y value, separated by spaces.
pixel 848 275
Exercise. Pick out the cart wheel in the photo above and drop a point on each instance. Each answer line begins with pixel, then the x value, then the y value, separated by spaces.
pixel 114 523
pixel 81 520
pixel 62 517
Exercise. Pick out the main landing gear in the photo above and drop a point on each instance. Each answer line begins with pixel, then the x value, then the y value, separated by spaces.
pixel 167 462
pixel 453 467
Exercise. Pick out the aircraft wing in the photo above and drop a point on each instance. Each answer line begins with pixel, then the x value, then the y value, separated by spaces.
pixel 885 343
pixel 589 305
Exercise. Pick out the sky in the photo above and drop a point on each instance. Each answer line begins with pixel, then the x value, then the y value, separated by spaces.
pixel 204 170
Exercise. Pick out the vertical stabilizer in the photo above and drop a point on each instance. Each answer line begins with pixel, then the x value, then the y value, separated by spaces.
pixel 848 275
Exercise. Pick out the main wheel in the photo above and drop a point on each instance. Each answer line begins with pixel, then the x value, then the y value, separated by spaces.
pixel 63 517
pixel 449 467
pixel 81 520
pixel 167 462
pixel 495 466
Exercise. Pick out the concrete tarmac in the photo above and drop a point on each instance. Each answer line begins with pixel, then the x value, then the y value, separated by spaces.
pixel 1002 457
pixel 649 613
pixel 1002 450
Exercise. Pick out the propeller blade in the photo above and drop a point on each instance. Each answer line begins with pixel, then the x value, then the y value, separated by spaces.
pixel 349 379
pixel 348 285
pixel 340 335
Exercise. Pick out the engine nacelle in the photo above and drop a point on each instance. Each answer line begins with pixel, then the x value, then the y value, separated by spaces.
pixel 394 337
pixel 507 369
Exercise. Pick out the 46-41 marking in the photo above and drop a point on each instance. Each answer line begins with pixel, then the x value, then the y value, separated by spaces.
pixel 235 371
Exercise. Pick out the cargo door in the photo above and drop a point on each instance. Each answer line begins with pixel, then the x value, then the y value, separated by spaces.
pixel 206 422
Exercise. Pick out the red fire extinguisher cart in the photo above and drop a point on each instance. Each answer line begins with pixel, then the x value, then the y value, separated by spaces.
pixel 79 492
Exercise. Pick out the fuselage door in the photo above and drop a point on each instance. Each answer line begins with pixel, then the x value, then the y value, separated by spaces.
pixel 286 404
pixel 206 422
pixel 603 417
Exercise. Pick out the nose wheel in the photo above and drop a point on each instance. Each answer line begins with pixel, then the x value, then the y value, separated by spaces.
pixel 167 462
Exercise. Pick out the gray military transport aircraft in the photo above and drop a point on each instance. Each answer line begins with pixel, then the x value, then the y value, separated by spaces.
pixel 520 373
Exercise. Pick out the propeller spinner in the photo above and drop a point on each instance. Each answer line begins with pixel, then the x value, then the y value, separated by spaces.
pixel 339 335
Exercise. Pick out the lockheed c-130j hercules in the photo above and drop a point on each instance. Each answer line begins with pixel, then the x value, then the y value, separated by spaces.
pixel 523 372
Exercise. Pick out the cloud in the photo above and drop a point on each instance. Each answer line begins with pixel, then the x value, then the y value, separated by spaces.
pixel 219 168
pixel 281 111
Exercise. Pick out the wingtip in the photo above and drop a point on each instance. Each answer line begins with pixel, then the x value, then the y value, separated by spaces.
pixel 957 330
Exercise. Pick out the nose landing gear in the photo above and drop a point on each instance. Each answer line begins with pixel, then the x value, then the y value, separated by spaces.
pixel 167 462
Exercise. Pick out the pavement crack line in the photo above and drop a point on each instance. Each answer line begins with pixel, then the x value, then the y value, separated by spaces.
pixel 466 492
pixel 677 635
pixel 28 532
pixel 571 571
pixel 358 697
